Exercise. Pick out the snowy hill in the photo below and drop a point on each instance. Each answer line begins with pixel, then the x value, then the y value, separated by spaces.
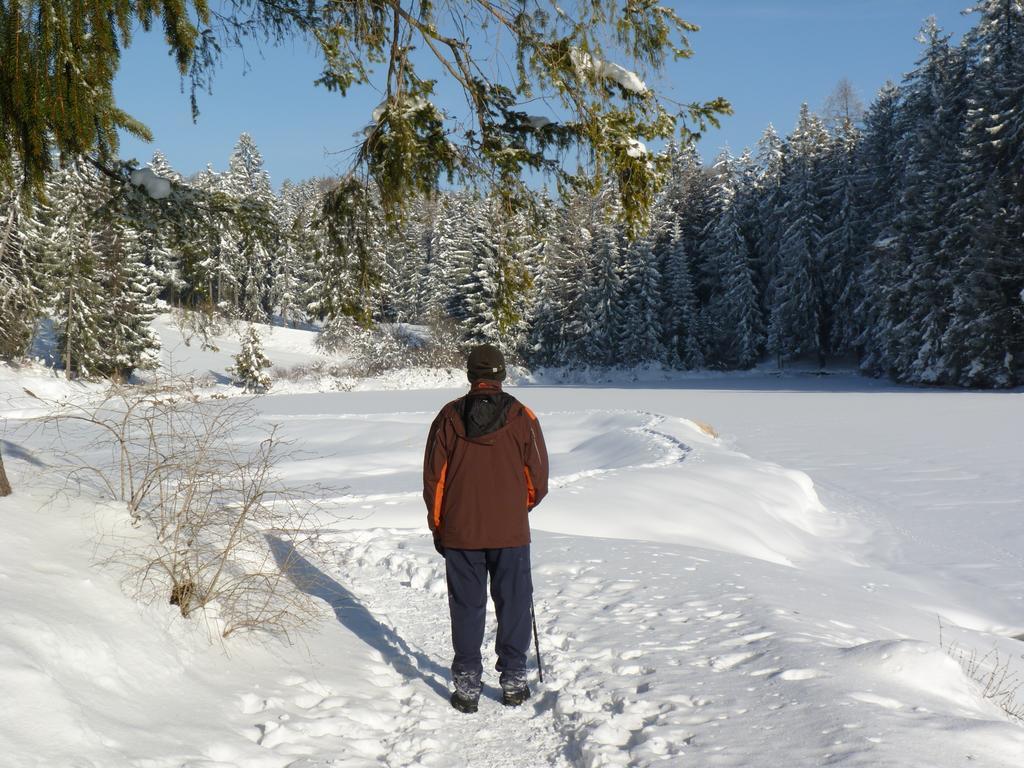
pixel 768 597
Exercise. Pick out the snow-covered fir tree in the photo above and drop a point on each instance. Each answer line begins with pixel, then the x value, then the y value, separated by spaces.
pixel 680 322
pixel 800 320
pixel 495 283
pixel 250 363
pixel 22 281
pixel 732 325
pixel 560 318
pixel 641 307
pixel 64 234
pixel 603 297
pixel 984 345
pixel 249 246
pixel 129 341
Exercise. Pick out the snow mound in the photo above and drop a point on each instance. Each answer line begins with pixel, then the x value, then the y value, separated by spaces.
pixel 87 671
pixel 925 674
pixel 614 474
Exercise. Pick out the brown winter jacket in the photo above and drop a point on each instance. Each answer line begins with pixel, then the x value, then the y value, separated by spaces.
pixel 480 490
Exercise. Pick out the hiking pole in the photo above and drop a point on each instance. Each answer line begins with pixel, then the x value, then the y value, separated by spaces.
pixel 536 641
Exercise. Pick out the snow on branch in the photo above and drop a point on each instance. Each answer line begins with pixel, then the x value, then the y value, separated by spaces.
pixel 583 62
pixel 157 187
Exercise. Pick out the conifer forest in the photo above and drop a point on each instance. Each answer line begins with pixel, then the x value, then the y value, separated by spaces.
pixel 891 240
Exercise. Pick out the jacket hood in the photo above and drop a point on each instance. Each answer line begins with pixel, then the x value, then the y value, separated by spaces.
pixel 515 412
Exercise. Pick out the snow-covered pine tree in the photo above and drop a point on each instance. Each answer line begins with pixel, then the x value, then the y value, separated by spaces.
pixel 732 325
pixel 641 306
pixel 251 241
pixel 251 363
pixel 450 264
pixel 984 345
pixel 479 290
pixel 690 193
pixel 842 242
pixel 680 320
pixel 407 254
pixel 215 285
pixel 800 321
pixel 721 245
pixel 493 291
pixel 522 252
pixel 932 116
pixel 349 261
pixel 162 167
pixel 169 262
pixel 62 233
pixel 288 270
pixel 559 319
pixel 770 202
pixel 747 204
pixel 880 178
pixel 21 280
pixel 602 297
pixel 129 303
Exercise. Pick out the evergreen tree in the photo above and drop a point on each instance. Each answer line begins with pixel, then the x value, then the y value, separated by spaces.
pixel 800 320
pixel 250 243
pixel 250 363
pixel 63 233
pixel 932 116
pixel 129 304
pixel 21 280
pixel 769 207
pixel 162 167
pixel 561 322
pixel 450 263
pixel 984 344
pixel 214 254
pixel 880 177
pixel 170 269
pixel 495 284
pixel 603 298
pixel 641 303
pixel 732 321
pixel 680 321
pixel 288 270
pixel 843 240
pixel 407 255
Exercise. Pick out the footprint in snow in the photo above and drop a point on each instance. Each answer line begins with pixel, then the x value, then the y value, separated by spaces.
pixel 800 674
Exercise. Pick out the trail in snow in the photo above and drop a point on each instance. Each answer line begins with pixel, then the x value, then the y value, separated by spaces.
pixel 652 653
pixel 395 600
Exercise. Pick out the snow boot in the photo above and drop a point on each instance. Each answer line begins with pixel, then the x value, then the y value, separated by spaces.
pixel 466 696
pixel 464 704
pixel 514 690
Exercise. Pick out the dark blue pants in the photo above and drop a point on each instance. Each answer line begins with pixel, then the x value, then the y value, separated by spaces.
pixel 512 591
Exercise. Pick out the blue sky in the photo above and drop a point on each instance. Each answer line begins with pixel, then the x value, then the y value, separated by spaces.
pixel 765 56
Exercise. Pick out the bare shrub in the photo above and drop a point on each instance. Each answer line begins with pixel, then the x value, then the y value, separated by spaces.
pixel 999 683
pixel 318 370
pixel 392 346
pixel 203 323
pixel 206 498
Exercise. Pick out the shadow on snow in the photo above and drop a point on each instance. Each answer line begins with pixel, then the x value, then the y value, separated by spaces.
pixel 352 615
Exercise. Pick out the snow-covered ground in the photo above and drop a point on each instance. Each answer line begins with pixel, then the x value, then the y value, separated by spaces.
pixel 771 596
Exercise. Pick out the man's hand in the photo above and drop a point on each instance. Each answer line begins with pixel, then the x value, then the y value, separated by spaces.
pixel 438 546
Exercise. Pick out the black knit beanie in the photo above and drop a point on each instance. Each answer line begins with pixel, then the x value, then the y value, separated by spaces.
pixel 485 362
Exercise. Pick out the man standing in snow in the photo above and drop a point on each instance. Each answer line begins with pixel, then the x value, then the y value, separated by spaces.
pixel 485 468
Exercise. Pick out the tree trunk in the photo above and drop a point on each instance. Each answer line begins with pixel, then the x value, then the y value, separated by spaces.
pixel 5 486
